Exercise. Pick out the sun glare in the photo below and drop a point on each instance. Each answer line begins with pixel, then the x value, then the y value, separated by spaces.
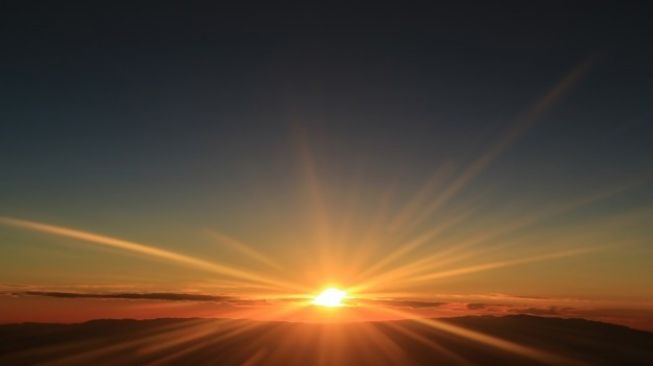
pixel 331 297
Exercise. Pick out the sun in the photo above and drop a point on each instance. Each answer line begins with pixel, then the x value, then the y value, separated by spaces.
pixel 331 297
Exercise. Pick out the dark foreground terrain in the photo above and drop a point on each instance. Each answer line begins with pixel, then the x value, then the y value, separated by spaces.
pixel 239 342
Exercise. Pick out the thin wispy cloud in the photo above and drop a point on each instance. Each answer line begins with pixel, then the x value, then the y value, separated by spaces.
pixel 164 296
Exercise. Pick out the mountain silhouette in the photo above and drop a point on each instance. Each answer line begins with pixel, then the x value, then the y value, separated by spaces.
pixel 244 342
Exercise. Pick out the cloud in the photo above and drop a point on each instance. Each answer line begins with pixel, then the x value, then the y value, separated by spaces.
pixel 476 306
pixel 550 310
pixel 413 304
pixel 167 296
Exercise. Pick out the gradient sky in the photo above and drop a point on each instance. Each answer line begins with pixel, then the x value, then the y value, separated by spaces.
pixel 525 132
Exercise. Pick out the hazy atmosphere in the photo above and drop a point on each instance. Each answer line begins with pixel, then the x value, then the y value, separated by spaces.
pixel 327 165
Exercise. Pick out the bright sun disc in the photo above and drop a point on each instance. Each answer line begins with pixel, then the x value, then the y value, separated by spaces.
pixel 331 297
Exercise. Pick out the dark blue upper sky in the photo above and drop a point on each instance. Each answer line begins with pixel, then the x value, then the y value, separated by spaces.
pixel 188 109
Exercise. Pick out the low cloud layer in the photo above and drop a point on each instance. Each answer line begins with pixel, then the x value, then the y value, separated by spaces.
pixel 203 305
pixel 166 296
pixel 413 304
pixel 546 311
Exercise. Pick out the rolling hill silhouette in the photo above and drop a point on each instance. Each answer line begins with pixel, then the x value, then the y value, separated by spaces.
pixel 242 342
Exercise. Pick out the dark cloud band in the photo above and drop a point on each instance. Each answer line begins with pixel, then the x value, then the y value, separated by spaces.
pixel 133 296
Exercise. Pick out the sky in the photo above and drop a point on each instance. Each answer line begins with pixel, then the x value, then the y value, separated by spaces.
pixel 448 160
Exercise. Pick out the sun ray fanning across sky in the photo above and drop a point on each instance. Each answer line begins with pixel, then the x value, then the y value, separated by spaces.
pixel 317 185
pixel 145 249
pixel 244 249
